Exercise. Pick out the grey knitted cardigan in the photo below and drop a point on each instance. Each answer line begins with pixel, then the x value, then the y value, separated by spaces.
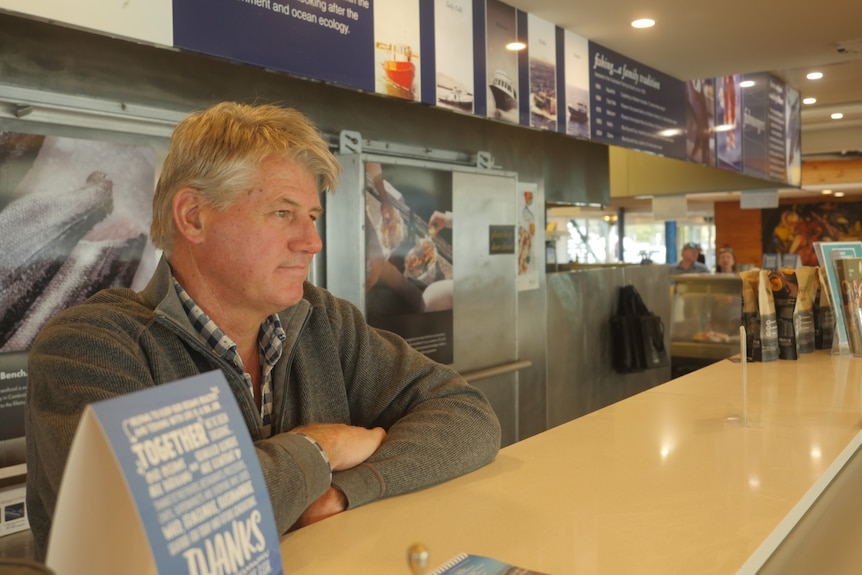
pixel 335 368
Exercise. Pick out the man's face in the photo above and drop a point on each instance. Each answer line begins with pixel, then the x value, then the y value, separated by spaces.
pixel 689 255
pixel 256 254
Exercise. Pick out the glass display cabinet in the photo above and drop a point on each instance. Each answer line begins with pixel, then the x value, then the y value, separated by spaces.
pixel 706 312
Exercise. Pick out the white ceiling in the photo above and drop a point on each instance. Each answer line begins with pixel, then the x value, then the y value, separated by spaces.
pixel 787 38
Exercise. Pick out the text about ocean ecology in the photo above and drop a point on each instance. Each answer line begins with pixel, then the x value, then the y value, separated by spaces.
pixel 200 486
pixel 337 16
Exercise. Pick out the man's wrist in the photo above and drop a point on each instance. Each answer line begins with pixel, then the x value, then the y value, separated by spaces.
pixel 322 453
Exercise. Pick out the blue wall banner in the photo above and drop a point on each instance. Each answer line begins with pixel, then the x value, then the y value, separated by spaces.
pixel 635 106
pixel 328 40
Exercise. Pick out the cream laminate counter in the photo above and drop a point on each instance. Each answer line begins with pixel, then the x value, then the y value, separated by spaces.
pixel 667 481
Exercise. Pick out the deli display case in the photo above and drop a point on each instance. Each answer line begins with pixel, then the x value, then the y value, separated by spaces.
pixel 706 312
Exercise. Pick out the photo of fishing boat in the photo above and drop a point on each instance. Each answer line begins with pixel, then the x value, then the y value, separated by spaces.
pixel 501 79
pixel 543 73
pixel 577 85
pixel 543 110
pixel 452 94
pixel 578 113
pixel 397 62
pixel 399 71
pixel 503 90
pixel 453 59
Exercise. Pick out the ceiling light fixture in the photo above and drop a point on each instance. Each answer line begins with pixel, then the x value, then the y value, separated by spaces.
pixel 837 116
pixel 643 23
pixel 826 192
pixel 746 84
pixel 839 194
pixel 515 46
pixel 809 101
pixel 814 75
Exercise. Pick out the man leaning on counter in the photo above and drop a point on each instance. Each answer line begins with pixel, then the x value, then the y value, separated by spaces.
pixel 341 414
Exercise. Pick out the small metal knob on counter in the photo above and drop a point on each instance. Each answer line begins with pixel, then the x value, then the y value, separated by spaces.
pixel 417 557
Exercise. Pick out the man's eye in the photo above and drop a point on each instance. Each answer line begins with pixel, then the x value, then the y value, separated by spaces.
pixel 281 213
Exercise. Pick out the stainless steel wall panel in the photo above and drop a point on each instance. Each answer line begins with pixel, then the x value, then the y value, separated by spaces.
pixel 344 248
pixel 486 298
pixel 580 304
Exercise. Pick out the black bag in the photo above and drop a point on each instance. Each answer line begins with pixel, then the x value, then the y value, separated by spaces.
pixel 637 334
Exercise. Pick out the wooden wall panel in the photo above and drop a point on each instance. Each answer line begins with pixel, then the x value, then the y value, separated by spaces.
pixel 741 230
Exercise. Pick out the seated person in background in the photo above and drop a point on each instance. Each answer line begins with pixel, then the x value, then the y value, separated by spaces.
pixel 341 414
pixel 725 261
pixel 689 264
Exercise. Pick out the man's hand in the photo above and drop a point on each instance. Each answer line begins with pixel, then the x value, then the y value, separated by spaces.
pixel 327 505
pixel 346 446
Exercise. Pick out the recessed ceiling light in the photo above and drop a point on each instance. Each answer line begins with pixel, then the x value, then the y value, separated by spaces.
pixel 837 116
pixel 826 192
pixel 839 194
pixel 746 84
pixel 814 75
pixel 809 100
pixel 515 46
pixel 643 23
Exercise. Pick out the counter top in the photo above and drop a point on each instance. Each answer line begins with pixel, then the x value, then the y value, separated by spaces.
pixel 668 481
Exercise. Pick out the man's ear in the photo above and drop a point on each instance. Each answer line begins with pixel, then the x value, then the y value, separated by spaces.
pixel 187 207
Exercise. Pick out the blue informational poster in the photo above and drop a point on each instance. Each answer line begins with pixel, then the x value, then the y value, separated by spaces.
pixel 329 40
pixel 193 473
pixel 755 135
pixel 635 106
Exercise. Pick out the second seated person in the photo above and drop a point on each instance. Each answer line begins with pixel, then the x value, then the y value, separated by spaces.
pixel 341 413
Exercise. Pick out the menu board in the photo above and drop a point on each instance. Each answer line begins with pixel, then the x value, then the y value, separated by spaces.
pixel 635 106
pixel 755 136
pixel 777 154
